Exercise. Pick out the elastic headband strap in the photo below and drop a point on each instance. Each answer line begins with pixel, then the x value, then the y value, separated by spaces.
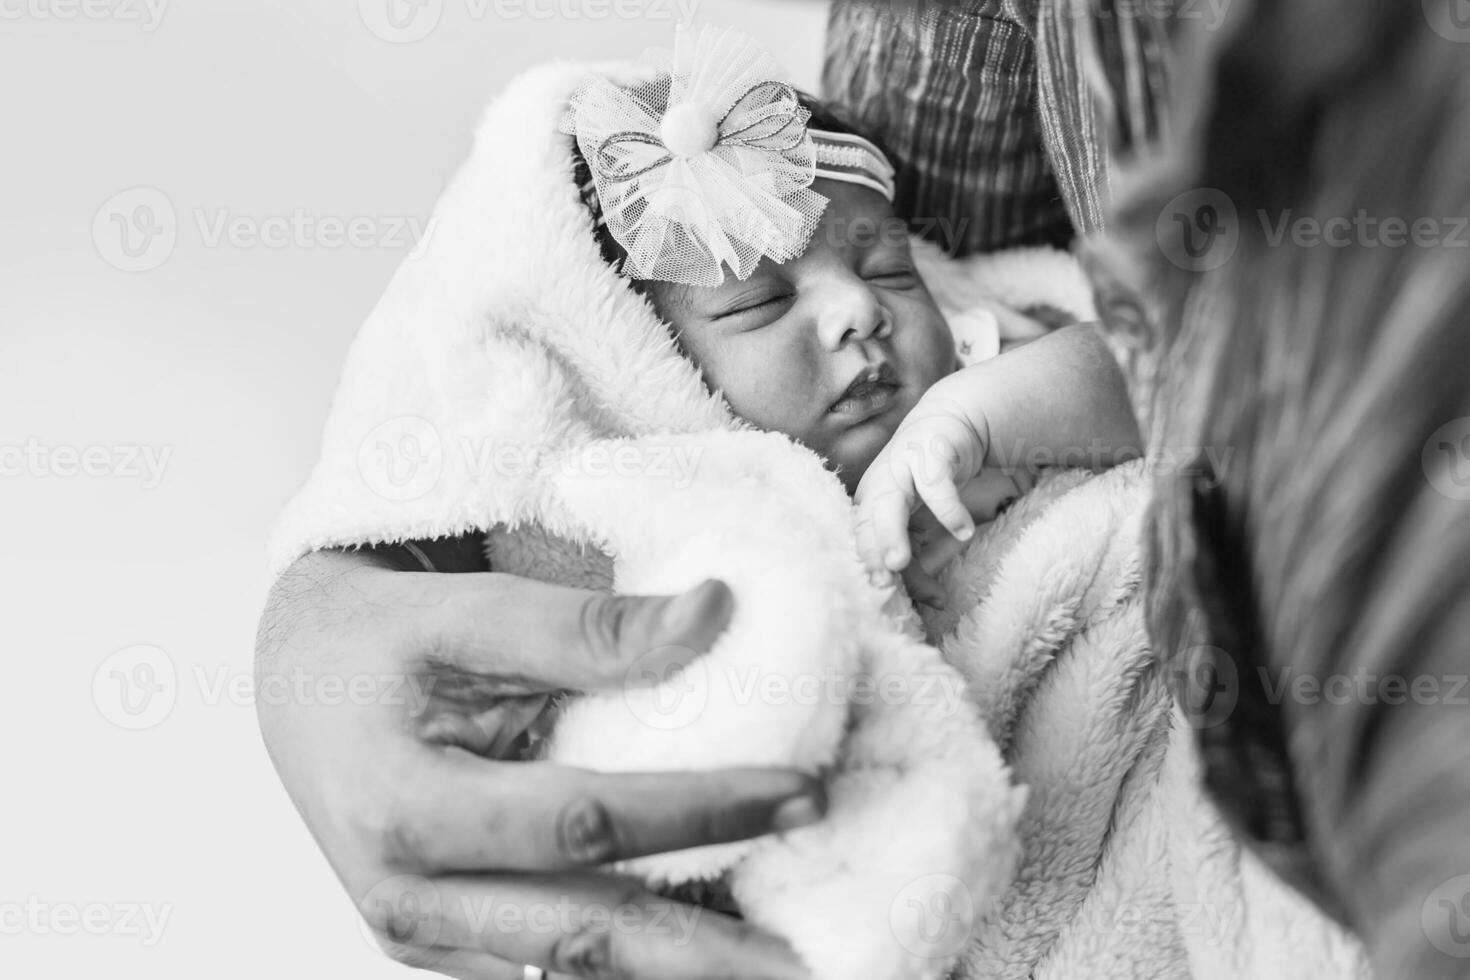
pixel 852 160
pixel 840 156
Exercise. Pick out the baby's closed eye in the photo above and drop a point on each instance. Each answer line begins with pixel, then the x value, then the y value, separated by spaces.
pixel 761 300
pixel 892 275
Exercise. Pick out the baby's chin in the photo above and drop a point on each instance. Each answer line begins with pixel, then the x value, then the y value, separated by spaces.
pixel 854 451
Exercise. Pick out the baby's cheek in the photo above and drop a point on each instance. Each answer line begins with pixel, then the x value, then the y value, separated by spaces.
pixel 756 379
pixel 919 328
pixel 934 350
pixel 774 394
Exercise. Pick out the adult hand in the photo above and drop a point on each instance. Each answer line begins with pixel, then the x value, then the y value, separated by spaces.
pixel 461 860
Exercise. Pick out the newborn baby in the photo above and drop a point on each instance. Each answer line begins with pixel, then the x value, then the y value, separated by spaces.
pixel 843 348
pixel 753 275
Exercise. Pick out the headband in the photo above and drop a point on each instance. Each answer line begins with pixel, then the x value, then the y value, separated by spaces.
pixel 709 162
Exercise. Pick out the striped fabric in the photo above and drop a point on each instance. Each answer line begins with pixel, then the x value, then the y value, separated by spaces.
pixel 997 111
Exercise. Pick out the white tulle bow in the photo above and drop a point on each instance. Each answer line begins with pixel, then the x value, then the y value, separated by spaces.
pixel 705 165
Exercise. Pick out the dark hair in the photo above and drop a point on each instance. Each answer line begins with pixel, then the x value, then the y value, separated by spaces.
pixel 823 117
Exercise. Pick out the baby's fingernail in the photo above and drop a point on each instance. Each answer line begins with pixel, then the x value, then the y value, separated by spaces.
pixel 893 558
pixel 966 533
pixel 799 811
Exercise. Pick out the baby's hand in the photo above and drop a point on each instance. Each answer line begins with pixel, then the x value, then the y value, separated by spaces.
pixel 1061 397
pixel 933 546
pixel 938 448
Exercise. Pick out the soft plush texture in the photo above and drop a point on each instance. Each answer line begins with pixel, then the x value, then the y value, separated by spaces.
pixel 509 381
pixel 1126 870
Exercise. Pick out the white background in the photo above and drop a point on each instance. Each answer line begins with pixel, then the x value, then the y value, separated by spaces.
pixel 223 356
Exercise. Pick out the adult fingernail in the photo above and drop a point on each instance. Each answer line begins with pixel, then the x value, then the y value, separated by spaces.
pixel 701 607
pixel 799 811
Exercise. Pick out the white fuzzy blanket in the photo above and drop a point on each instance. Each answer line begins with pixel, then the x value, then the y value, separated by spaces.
pixel 1126 870
pixel 508 380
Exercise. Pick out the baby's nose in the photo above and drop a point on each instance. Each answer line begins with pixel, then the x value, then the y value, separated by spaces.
pixel 858 318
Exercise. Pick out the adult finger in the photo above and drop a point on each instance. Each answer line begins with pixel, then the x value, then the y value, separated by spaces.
pixel 460 813
pixel 462 964
pixel 591 925
pixel 522 636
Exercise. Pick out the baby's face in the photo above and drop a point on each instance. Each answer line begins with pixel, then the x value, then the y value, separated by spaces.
pixel 833 347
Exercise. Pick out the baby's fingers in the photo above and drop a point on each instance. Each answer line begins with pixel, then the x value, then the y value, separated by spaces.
pixel 938 452
pixel 937 553
pixel 942 498
pixel 885 497
pixel 882 530
pixel 923 586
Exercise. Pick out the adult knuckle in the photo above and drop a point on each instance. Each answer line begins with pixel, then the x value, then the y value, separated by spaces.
pixel 402 911
pixel 585 832
pixel 586 952
pixel 402 844
pixel 604 618
pixel 597 950
pixel 384 914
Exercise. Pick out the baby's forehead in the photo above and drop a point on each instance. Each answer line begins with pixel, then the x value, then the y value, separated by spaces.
pixel 853 199
pixel 856 217
pixel 855 202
